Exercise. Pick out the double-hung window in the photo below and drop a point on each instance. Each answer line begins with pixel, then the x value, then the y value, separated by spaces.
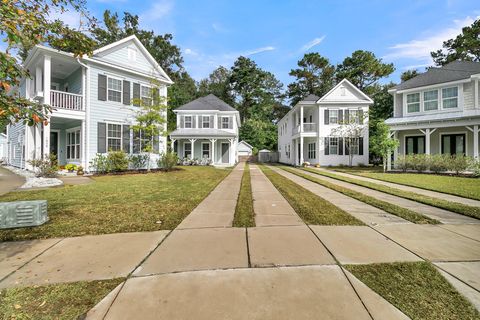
pixel 188 122
pixel 187 149
pixel 333 145
pixel 205 121
pixel 352 145
pixel 225 122
pixel 146 95
pixel 114 137
pixel 413 102
pixel 206 150
pixel 73 145
pixel 430 100
pixel 450 98
pixel 333 117
pixel 114 90
pixel 353 116
pixel 312 151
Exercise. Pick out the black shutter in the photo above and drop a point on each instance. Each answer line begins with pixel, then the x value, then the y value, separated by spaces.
pixel 340 146
pixel 360 146
pixel 126 138
pixel 340 117
pixel 326 116
pixel 360 116
pixel 126 92
pixel 347 116
pixel 347 146
pixel 101 137
pixel 327 146
pixel 136 94
pixel 102 87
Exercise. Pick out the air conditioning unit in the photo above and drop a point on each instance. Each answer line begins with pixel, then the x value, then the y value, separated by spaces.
pixel 23 214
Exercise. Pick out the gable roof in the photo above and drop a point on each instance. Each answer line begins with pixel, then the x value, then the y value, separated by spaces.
pixel 138 43
pixel 246 143
pixel 210 102
pixel 453 71
pixel 365 98
pixel 311 97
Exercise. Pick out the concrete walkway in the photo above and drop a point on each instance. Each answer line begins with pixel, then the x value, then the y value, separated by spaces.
pixel 425 192
pixel 9 181
pixel 441 215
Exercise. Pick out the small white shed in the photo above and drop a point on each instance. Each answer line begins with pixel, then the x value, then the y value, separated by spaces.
pixel 244 149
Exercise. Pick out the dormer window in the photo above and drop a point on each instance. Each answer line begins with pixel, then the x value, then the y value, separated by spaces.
pixel 450 98
pixel 225 122
pixel 188 122
pixel 413 102
pixel 430 100
pixel 205 121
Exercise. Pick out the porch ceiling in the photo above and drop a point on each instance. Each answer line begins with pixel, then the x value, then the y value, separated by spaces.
pixel 63 67
pixel 64 122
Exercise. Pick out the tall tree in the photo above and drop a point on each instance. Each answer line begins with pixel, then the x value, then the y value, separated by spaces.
pixel 466 46
pixel 259 133
pixel 382 144
pixel 24 24
pixel 363 69
pixel 217 83
pixel 181 92
pixel 409 74
pixel 314 75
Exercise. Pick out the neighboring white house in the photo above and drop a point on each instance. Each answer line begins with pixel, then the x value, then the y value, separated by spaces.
pixel 3 147
pixel 307 133
pixel 207 128
pixel 438 112
pixel 92 100
pixel 244 149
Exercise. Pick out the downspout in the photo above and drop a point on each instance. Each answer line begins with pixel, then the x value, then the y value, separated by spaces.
pixel 86 103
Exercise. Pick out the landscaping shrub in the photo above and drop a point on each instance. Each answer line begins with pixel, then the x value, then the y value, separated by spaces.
pixel 71 167
pixel 46 167
pixel 138 161
pixel 402 163
pixel 167 161
pixel 100 163
pixel 438 162
pixel 117 160
pixel 418 162
pixel 475 166
pixel 459 163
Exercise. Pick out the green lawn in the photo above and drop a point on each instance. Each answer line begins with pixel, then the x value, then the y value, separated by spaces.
pixel 401 212
pixel 463 209
pixel 56 301
pixel 124 203
pixel 417 289
pixel 311 208
pixel 244 215
pixel 459 186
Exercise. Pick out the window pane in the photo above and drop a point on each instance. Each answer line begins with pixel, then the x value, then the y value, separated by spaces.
pixel 459 144
pixel 409 145
pixel 114 84
pixel 450 92
pixel 450 103
pixel 114 96
pixel 414 97
pixel 413 107
pixel 430 105
pixel 430 95
pixel 421 141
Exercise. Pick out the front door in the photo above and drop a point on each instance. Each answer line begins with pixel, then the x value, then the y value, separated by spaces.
pixel 54 143
pixel 225 155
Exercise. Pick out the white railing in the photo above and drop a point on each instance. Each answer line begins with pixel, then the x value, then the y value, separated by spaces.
pixel 309 127
pixel 66 100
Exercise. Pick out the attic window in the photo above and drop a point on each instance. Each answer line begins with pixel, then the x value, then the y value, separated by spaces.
pixel 342 91
pixel 132 54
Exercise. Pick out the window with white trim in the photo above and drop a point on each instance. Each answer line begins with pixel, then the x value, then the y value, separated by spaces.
pixel 205 150
pixel 333 116
pixel 73 145
pixel 413 102
pixel 114 137
pixel 187 122
pixel 140 143
pixel 146 95
pixel 312 151
pixel 114 89
pixel 187 149
pixel 430 100
pixel 205 121
pixel 450 98
pixel 225 122
pixel 353 116
pixel 353 145
pixel 333 145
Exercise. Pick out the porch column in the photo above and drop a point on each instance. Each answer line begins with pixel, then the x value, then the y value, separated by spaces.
pixel 389 158
pixel 37 132
pixel 301 120
pixel 172 143
pixel 427 141
pixel 192 156
pixel 47 63
pixel 29 146
pixel 395 151
pixel 46 140
pixel 301 148
pixel 212 141
pixel 230 152
pixel 475 142
pixel 38 79
pixel 83 148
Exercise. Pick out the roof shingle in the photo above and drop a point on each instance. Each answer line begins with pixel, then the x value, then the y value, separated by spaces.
pixel 210 102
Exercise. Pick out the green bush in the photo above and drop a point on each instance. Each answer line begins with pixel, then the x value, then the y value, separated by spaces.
pixel 167 161
pixel 100 163
pixel 475 166
pixel 71 167
pixel 117 160
pixel 438 162
pixel 138 161
pixel 418 162
pixel 402 163
pixel 46 167
pixel 459 163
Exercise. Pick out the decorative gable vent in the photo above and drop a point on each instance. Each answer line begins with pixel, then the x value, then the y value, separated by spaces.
pixel 23 214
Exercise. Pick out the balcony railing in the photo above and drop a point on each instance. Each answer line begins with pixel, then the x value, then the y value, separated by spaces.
pixel 309 127
pixel 66 100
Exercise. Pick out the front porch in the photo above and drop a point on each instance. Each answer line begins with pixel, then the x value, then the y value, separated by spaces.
pixel 215 151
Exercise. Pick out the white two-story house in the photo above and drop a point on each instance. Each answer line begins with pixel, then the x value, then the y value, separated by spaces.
pixel 92 100
pixel 309 131
pixel 438 112
pixel 207 129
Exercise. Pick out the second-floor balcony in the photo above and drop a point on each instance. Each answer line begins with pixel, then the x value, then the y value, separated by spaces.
pixel 307 127
pixel 66 100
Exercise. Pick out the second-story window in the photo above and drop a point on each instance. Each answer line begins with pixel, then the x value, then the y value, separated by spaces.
pixel 413 102
pixel 146 95
pixel 205 121
pixel 450 98
pixel 188 122
pixel 333 117
pixel 225 122
pixel 430 100
pixel 114 90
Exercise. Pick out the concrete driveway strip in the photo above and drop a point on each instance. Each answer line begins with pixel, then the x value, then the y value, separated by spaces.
pixel 87 258
pixel 432 242
pixel 468 292
pixel 9 181
pixel 443 216
pixel 425 192
pixel 318 292
pixel 360 210
pixel 471 231
pixel 468 272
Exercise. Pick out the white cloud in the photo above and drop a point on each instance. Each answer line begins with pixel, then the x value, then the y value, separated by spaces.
pixel 70 17
pixel 190 52
pixel 159 10
pixel 311 44
pixel 259 50
pixel 419 49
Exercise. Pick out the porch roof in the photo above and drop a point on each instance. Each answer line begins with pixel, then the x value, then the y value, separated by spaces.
pixel 465 114
pixel 201 133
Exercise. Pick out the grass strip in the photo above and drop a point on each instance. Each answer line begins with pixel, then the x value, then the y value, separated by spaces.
pixel 417 289
pixel 244 215
pixel 55 301
pixel 311 208
pixel 456 207
pixel 391 208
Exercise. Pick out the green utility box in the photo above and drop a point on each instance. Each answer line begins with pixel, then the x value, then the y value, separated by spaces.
pixel 23 214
